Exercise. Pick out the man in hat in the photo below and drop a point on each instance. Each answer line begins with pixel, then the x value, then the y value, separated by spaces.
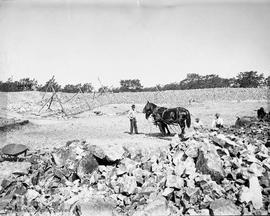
pixel 197 125
pixel 217 122
pixel 132 118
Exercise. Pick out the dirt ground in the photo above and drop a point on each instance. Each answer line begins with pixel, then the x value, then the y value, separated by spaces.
pixel 112 127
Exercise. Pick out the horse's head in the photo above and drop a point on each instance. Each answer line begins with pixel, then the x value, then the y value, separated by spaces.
pixel 148 109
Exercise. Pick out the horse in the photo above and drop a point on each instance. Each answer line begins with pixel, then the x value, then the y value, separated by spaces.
pixel 168 116
pixel 163 127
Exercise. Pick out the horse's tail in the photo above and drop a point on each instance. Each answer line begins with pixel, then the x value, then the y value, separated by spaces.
pixel 188 119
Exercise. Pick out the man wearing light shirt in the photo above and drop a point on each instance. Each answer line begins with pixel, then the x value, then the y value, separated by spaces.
pixel 133 121
pixel 197 125
pixel 217 122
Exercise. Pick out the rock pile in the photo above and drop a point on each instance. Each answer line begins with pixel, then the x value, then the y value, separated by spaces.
pixel 212 173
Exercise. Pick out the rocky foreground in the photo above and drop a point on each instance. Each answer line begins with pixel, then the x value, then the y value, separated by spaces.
pixel 225 172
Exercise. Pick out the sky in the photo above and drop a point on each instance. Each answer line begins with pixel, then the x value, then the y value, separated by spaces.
pixel 156 41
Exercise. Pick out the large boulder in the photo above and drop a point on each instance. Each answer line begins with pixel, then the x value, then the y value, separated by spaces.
pixel 157 207
pixel 210 163
pixel 167 192
pixel 76 157
pixel 183 164
pixel 86 203
pixel 193 194
pixel 129 164
pixel 186 167
pixel 253 193
pixel 31 195
pixel 224 207
pixel 192 149
pixel 223 141
pixel 110 153
pixel 87 165
pixel 101 207
pixel 174 181
pixel 178 157
pixel 63 155
pixel 128 184
pixel 210 188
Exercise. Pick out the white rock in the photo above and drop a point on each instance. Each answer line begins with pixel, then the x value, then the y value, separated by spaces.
pixel 157 207
pixel 224 207
pixel 129 164
pixel 253 193
pixel 190 166
pixel 256 169
pixel 129 184
pixel 187 167
pixel 31 195
pixel 222 140
pixel 110 152
pixel 178 157
pixel 167 192
pixel 175 141
pixel 174 181
pixel 192 150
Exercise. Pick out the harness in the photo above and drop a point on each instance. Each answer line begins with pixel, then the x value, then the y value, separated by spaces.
pixel 167 121
pixel 174 126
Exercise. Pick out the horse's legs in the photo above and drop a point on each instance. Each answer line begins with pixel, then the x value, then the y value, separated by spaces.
pixel 165 128
pixel 182 126
pixel 161 128
pixel 168 131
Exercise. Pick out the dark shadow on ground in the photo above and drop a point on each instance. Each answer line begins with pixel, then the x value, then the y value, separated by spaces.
pixel 9 124
pixel 11 159
pixel 127 132
pixel 167 137
pixel 160 136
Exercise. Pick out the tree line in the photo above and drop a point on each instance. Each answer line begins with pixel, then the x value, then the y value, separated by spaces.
pixel 249 79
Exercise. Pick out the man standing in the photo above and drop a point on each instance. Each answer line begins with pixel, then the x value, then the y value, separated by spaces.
pixel 133 121
pixel 217 122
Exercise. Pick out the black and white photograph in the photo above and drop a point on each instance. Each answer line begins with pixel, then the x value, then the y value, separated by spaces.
pixel 135 107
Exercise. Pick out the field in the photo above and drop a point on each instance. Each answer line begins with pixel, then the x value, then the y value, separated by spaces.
pixel 48 129
pixel 109 172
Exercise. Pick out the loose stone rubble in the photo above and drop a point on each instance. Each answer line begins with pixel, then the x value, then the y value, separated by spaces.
pixel 224 172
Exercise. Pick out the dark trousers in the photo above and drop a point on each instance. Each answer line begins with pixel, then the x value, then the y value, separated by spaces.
pixel 133 125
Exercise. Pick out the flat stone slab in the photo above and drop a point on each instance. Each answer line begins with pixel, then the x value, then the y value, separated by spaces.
pixel 14 149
